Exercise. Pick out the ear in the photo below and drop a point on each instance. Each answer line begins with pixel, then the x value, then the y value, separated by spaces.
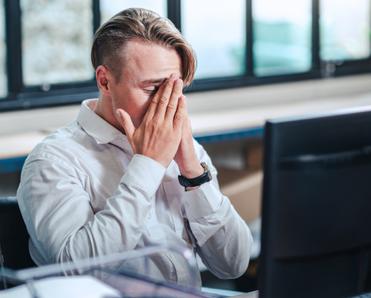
pixel 103 76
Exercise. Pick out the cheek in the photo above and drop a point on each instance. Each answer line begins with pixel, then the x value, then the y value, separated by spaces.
pixel 139 103
pixel 127 100
pixel 142 107
pixel 135 103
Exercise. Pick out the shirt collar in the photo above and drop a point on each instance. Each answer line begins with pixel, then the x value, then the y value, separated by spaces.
pixel 98 128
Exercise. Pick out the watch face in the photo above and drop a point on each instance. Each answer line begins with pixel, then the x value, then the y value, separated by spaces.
pixel 205 166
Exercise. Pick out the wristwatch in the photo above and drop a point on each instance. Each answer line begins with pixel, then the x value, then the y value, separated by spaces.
pixel 197 181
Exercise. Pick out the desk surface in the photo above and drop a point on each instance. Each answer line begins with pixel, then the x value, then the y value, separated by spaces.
pixel 211 126
pixel 14 149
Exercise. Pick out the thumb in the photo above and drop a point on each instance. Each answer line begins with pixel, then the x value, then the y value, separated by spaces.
pixel 125 121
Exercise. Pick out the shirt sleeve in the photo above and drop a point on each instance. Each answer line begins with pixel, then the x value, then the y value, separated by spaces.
pixel 51 194
pixel 223 239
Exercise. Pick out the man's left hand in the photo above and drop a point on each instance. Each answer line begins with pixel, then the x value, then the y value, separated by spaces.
pixel 186 157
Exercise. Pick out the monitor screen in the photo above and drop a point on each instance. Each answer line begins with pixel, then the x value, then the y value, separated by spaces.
pixel 316 212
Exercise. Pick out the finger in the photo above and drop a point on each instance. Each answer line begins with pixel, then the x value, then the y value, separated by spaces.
pixel 161 95
pixel 187 121
pixel 125 121
pixel 180 114
pixel 153 104
pixel 173 101
pixel 185 101
pixel 163 99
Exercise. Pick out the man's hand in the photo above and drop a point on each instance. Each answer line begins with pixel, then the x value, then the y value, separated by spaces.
pixel 186 157
pixel 160 132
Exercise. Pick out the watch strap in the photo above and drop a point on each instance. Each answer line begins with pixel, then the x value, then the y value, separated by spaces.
pixel 197 181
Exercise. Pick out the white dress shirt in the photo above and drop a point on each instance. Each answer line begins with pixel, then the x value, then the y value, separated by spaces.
pixel 84 194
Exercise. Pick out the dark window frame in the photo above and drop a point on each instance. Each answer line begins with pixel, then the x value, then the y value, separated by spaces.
pixel 27 97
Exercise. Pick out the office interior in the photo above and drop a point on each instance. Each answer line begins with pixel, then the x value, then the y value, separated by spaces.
pixel 257 60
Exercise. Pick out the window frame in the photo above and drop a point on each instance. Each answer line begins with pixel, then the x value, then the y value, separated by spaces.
pixel 20 97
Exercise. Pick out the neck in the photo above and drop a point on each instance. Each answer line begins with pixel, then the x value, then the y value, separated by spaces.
pixel 104 109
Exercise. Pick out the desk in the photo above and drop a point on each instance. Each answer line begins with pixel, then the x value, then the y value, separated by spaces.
pixel 208 126
pixel 229 135
pixel 11 164
pixel 14 149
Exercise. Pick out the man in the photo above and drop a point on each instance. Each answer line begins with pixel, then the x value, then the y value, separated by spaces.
pixel 108 182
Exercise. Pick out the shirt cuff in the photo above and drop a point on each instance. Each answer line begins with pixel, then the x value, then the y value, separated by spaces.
pixel 202 201
pixel 144 173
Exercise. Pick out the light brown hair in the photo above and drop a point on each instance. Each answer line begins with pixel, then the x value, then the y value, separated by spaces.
pixel 143 24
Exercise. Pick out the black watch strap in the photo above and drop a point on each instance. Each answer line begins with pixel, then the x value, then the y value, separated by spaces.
pixel 197 181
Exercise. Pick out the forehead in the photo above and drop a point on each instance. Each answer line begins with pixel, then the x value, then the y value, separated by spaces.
pixel 147 60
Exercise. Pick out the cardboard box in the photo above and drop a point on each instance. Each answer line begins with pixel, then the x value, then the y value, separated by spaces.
pixel 243 188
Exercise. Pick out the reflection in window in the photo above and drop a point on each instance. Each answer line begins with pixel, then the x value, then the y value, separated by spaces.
pixel 216 31
pixel 282 36
pixel 110 8
pixel 56 43
pixel 3 80
pixel 345 29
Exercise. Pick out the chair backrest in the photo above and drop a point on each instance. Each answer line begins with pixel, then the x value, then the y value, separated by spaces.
pixel 13 235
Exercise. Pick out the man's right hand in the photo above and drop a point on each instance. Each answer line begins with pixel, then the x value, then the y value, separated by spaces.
pixel 159 134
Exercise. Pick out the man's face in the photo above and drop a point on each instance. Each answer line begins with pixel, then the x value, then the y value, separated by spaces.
pixel 145 67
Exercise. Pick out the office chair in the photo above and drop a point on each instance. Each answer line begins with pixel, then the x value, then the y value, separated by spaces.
pixel 13 236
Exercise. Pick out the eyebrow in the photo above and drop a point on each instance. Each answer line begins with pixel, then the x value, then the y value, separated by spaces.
pixel 153 81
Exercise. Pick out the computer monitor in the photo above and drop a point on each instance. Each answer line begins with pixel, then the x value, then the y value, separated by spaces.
pixel 316 207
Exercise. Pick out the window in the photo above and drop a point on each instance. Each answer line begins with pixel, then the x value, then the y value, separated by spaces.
pixel 282 36
pixel 56 41
pixel 109 7
pixel 345 29
pixel 217 36
pixel 45 45
pixel 3 80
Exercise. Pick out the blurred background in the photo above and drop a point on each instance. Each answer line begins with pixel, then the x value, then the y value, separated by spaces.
pixel 48 41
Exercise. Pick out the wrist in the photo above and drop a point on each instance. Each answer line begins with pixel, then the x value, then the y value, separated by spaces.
pixel 164 162
pixel 191 171
pixel 191 183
